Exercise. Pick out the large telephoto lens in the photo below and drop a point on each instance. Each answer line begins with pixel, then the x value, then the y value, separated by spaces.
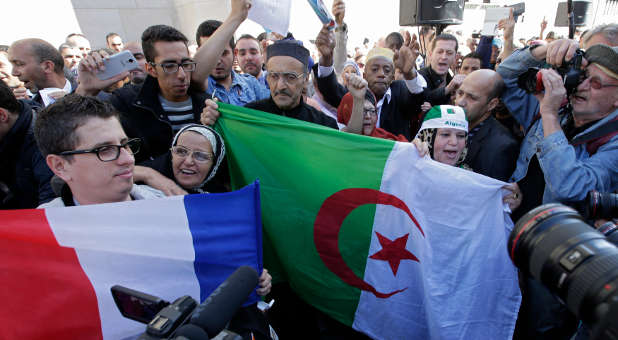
pixel 601 205
pixel 554 245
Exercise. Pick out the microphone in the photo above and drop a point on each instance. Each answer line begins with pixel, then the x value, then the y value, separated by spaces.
pixel 216 311
pixel 190 332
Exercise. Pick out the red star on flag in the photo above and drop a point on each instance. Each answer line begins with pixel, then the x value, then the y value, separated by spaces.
pixel 393 251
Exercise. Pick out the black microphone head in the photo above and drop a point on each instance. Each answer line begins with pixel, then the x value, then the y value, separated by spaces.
pixel 216 311
pixel 190 332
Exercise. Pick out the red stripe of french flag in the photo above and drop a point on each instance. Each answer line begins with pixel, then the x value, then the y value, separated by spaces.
pixel 39 279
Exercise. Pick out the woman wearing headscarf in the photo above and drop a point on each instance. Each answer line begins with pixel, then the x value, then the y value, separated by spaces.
pixel 196 154
pixel 192 162
pixel 445 130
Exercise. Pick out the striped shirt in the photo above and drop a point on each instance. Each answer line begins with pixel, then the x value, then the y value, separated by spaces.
pixel 178 113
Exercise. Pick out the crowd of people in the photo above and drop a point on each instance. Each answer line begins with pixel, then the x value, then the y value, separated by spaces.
pixel 69 138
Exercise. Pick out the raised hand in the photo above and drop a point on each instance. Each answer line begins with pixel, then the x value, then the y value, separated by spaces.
pixel 405 58
pixel 508 25
pixel 89 83
pixel 356 85
pixel 325 42
pixel 210 113
pixel 339 11
pixel 240 9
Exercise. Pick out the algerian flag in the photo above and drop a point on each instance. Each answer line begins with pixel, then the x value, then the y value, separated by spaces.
pixel 396 246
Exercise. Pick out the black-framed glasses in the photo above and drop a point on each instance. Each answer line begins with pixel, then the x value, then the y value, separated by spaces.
pixel 288 77
pixel 170 67
pixel 108 153
pixel 198 156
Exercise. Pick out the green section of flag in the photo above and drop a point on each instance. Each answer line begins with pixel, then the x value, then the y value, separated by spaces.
pixel 299 165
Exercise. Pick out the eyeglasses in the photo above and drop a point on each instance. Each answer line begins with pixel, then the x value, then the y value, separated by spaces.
pixel 370 112
pixel 187 66
pixel 288 77
pixel 595 82
pixel 108 153
pixel 198 156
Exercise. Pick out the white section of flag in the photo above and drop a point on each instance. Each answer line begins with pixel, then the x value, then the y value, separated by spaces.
pixel 464 285
pixel 273 15
pixel 166 263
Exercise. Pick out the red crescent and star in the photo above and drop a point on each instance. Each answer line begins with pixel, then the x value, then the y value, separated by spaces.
pixel 328 223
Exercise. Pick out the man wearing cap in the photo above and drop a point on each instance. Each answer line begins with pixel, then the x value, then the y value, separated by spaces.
pixel 287 75
pixel 564 155
pixel 398 102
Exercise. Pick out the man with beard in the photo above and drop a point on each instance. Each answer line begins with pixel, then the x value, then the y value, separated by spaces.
pixel 250 59
pixel 398 102
pixel 224 83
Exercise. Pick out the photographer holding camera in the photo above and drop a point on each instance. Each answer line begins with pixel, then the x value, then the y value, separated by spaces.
pixel 568 150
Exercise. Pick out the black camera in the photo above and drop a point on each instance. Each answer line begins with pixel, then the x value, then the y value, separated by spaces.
pixel 532 81
pixel 554 245
pixel 598 205
pixel 185 318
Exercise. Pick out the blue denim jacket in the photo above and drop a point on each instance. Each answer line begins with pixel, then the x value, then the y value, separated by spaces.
pixel 570 172
pixel 245 89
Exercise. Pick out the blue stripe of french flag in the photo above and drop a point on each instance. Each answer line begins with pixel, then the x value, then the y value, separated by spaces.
pixel 59 264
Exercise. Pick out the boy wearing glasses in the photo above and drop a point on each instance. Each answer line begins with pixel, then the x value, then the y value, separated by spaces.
pixel 172 94
pixel 84 144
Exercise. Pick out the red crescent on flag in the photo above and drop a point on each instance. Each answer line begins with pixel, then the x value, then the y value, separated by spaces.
pixel 328 222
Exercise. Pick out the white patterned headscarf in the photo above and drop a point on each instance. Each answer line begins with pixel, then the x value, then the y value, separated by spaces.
pixel 216 142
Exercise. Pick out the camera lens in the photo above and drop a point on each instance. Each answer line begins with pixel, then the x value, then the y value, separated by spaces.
pixel 554 245
pixel 131 60
pixel 602 205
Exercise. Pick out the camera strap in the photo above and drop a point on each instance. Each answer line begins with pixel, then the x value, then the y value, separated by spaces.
pixel 598 137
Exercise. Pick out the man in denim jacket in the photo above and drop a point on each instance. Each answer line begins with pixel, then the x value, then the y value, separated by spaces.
pixel 551 166
pixel 569 171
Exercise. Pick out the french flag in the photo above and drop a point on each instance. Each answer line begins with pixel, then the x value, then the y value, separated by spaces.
pixel 57 265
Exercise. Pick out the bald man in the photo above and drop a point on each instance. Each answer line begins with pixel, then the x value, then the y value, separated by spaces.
pixel 39 65
pixel 492 149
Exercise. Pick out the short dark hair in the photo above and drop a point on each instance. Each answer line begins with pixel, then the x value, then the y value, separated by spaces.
pixel 157 33
pixel 75 35
pixel 44 51
pixel 55 126
pixel 472 55
pixel 394 38
pixel 7 99
pixel 247 36
pixel 111 35
pixel 262 36
pixel 63 46
pixel 207 28
pixel 444 36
